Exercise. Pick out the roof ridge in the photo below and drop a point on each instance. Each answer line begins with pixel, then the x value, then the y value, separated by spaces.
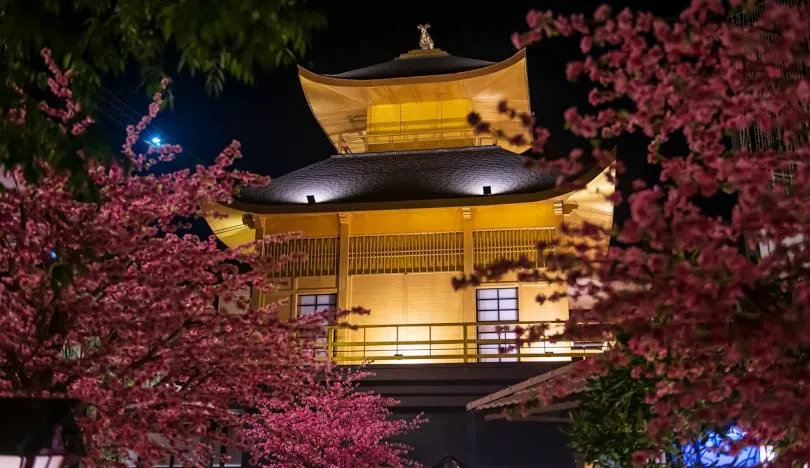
pixel 426 63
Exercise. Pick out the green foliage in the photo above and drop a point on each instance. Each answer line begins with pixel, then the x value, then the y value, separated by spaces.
pixel 611 422
pixel 98 38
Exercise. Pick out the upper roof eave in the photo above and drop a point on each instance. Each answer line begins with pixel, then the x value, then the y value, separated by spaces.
pixel 515 59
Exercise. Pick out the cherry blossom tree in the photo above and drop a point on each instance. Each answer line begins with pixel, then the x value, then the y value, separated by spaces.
pixel 710 306
pixel 113 302
pixel 333 426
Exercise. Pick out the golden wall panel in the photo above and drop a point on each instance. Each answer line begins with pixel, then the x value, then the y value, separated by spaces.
pixel 285 303
pixel 524 215
pixel 316 283
pixel 405 221
pixel 520 215
pixel 311 225
pixel 384 295
pixel 432 299
pixel 508 279
pixel 532 311
pixel 418 116
pixel 410 301
pixel 407 298
pixel 416 125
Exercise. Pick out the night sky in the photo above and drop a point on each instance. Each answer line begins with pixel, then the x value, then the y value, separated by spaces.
pixel 272 120
pixel 277 130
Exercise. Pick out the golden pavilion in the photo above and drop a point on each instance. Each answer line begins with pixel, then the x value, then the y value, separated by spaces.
pixel 412 198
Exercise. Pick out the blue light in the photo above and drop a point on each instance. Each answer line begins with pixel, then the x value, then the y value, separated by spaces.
pixel 710 452
pixel 155 140
pixel 52 254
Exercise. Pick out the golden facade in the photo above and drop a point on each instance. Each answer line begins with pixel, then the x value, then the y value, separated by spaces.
pixel 413 199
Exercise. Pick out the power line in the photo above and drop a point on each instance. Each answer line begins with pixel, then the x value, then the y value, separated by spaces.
pixel 119 112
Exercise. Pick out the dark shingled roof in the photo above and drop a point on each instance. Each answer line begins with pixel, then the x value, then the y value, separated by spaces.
pixel 404 176
pixel 416 66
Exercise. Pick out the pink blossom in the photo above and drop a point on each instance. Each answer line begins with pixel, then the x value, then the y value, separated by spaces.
pixel 696 304
pixel 803 91
pixel 585 44
pixel 573 70
pixel 517 41
pixel 533 18
pixel 643 207
pixel 602 13
pixel 134 334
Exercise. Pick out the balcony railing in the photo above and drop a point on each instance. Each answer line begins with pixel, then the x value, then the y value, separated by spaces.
pixel 413 140
pixel 462 342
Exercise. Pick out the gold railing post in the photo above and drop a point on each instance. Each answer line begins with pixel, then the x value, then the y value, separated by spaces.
pixel 330 352
pixel 430 340
pixel 466 344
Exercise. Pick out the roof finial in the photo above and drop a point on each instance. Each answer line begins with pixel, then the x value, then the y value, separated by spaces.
pixel 425 41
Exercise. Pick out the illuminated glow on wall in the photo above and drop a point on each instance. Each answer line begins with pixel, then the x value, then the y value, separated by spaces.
pixel 418 116
pixel 423 125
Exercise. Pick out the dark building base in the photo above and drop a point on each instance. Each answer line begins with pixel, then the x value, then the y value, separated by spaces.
pixel 442 391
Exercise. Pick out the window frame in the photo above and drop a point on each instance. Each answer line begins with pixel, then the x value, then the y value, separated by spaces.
pixel 316 304
pixel 486 328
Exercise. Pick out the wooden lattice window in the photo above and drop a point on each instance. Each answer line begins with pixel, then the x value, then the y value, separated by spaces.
pixel 321 256
pixel 784 176
pixel 494 306
pixel 755 138
pixel 405 253
pixel 309 304
pixel 491 246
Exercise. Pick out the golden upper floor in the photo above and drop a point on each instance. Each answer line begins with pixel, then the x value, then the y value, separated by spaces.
pixel 420 100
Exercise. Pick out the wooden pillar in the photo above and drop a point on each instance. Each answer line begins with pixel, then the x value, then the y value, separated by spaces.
pixel 343 284
pixel 468 299
pixel 256 223
pixel 562 211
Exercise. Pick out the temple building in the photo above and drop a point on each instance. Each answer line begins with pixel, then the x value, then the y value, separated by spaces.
pixel 412 198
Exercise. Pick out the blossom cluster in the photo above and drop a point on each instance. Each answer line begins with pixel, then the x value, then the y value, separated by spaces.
pixel 720 323
pixel 110 302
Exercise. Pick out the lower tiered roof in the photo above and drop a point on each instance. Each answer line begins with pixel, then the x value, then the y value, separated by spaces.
pixel 402 176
